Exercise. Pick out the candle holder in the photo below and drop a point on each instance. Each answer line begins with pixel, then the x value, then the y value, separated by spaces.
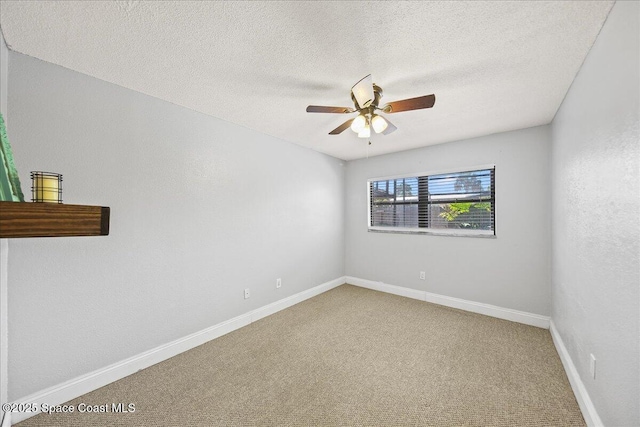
pixel 46 187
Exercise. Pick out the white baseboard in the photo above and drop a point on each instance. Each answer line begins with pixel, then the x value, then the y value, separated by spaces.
pixel 584 401
pixel 462 304
pixel 589 412
pixel 81 385
pixel 272 308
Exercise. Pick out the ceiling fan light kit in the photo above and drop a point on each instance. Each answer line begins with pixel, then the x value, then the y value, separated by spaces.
pixel 359 123
pixel 365 133
pixel 366 97
pixel 379 123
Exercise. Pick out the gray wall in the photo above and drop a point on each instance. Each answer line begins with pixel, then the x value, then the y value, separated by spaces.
pixel 200 210
pixel 596 208
pixel 245 208
pixel 512 270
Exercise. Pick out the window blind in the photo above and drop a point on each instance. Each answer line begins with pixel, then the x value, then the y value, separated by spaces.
pixel 452 202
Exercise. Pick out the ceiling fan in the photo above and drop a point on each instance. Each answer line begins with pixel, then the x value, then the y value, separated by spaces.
pixel 366 97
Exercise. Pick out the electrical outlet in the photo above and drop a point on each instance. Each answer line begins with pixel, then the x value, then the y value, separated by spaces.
pixel 423 275
pixel 592 366
pixel 247 293
pixel 278 282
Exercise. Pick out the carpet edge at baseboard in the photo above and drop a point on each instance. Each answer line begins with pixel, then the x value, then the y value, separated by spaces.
pixel 587 408
pixel 86 383
pixel 585 403
pixel 83 384
pixel 518 316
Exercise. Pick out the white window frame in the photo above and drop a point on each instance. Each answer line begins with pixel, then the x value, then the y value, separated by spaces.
pixel 433 231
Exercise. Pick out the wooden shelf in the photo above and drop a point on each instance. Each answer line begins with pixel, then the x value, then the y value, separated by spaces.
pixel 21 219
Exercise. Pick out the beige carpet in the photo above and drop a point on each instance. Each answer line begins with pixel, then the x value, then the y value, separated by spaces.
pixel 350 357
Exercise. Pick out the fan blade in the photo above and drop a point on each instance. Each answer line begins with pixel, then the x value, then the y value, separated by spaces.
pixel 390 128
pixel 342 127
pixel 322 109
pixel 410 104
pixel 363 91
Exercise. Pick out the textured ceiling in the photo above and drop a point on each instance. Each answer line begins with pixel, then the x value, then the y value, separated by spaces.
pixel 494 66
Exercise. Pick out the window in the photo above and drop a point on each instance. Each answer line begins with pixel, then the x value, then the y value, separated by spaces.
pixel 458 203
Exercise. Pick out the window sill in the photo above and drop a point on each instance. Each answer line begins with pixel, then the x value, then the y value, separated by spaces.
pixel 449 233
